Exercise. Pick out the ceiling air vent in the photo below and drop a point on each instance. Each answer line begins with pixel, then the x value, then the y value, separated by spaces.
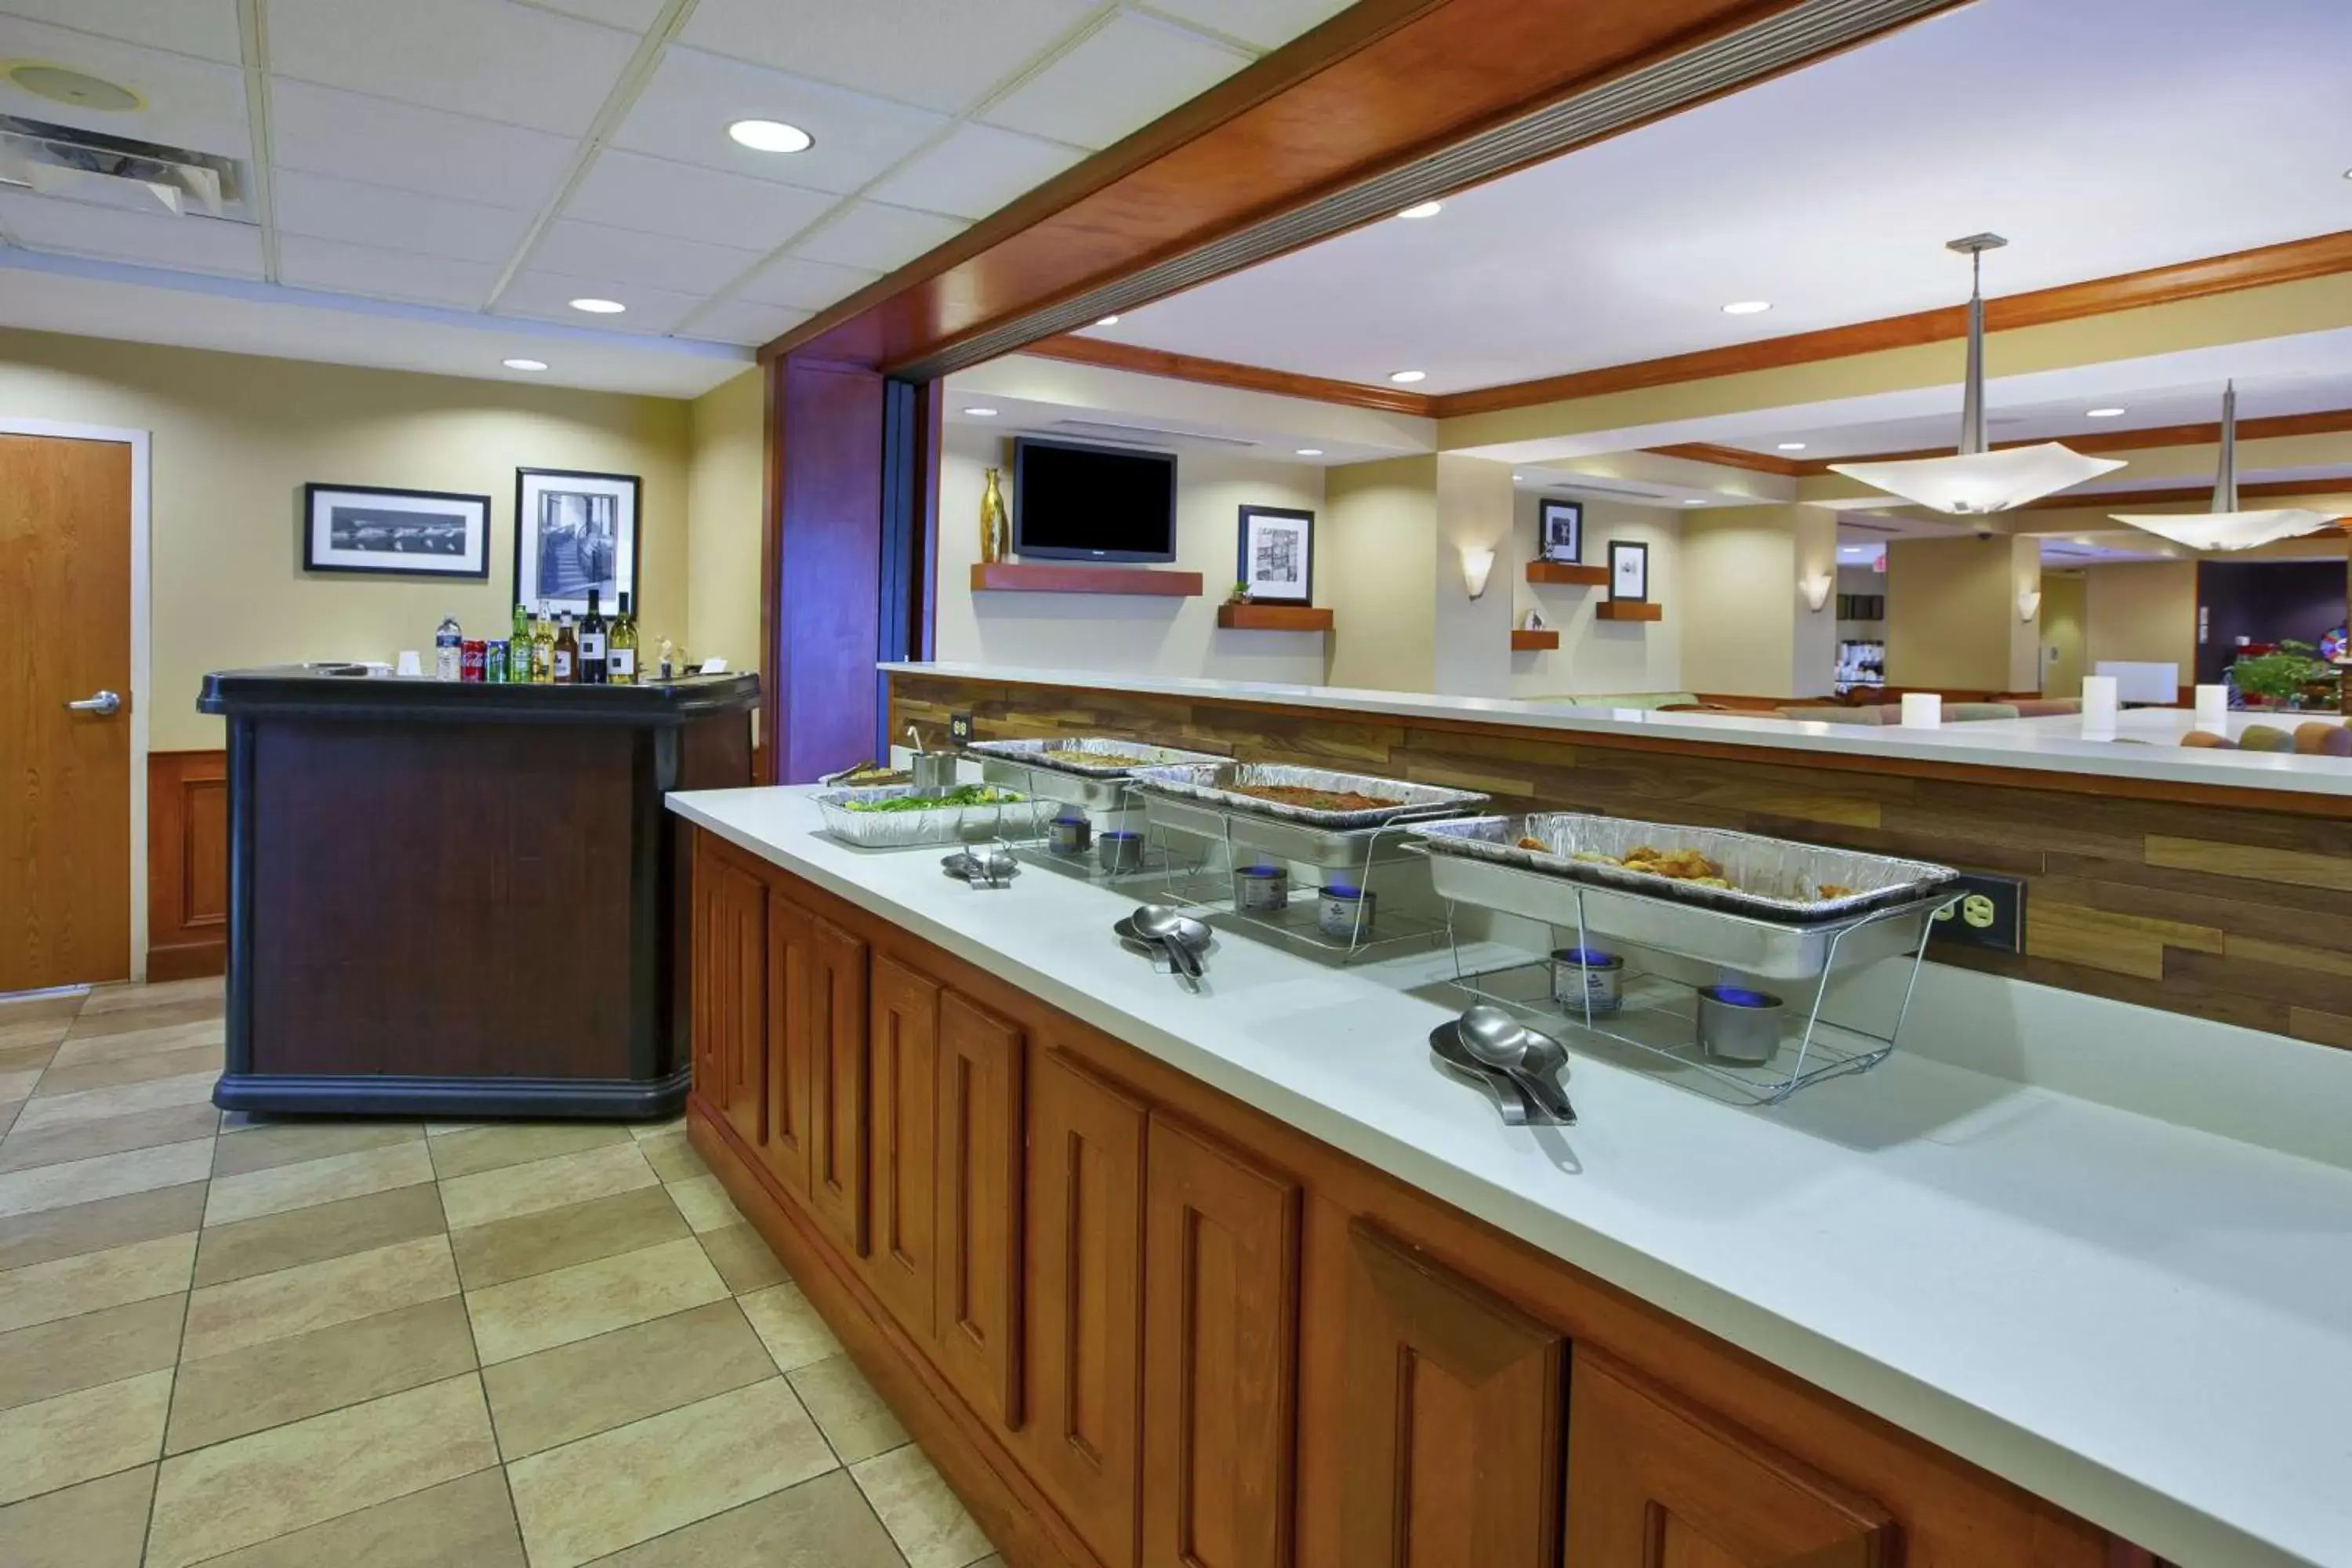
pixel 115 170
pixel 1143 435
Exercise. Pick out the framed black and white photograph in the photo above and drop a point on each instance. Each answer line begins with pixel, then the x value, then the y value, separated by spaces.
pixel 1278 557
pixel 395 533
pixel 1559 530
pixel 574 532
pixel 1629 570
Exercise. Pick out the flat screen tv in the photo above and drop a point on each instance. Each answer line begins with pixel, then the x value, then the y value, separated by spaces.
pixel 1075 502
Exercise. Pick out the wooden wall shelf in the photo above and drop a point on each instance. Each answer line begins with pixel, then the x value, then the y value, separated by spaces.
pixel 1567 574
pixel 1273 617
pixel 1524 641
pixel 1034 577
pixel 1628 610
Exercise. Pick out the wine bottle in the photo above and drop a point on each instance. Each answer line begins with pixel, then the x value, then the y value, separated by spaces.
pixel 592 644
pixel 543 649
pixel 519 645
pixel 567 651
pixel 621 647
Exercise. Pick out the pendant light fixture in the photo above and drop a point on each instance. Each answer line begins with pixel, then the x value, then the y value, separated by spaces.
pixel 2225 526
pixel 1975 482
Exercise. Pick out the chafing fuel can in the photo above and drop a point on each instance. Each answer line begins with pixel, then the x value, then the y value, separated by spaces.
pixel 1586 975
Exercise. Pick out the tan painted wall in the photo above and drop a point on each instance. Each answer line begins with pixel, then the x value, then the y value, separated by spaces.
pixel 1472 637
pixel 725 472
pixel 1746 626
pixel 2062 597
pixel 1951 613
pixel 2141 610
pixel 235 439
pixel 1597 658
pixel 1378 563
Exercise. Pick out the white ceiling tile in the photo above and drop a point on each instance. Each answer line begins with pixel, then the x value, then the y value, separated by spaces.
pixel 805 285
pixel 548 296
pixel 918 51
pixel 744 322
pixel 975 171
pixel 190 102
pixel 157 239
pixel 394 219
pixel 1123 77
pixel 347 134
pixel 379 274
pixel 877 237
pixel 626 189
pixel 630 256
pixel 1268 24
pixel 693 97
pixel 485 57
pixel 635 15
pixel 203 27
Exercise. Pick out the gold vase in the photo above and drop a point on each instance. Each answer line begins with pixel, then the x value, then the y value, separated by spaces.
pixel 993 530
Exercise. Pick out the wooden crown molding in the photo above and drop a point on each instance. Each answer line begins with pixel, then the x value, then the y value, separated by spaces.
pixel 2122 501
pixel 1731 458
pixel 2333 422
pixel 1225 372
pixel 2318 257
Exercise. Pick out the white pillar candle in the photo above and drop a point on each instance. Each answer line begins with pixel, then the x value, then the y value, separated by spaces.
pixel 1923 709
pixel 2099 704
pixel 2213 708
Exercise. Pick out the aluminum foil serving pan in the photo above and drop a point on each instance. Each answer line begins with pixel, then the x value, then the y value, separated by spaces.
pixel 1776 879
pixel 1220 785
pixel 1009 816
pixel 1094 757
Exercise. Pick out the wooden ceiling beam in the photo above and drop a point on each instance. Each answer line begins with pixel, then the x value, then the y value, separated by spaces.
pixel 1225 372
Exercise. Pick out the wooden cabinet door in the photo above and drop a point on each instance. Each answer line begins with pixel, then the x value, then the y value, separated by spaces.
pixel 816 978
pixel 904 1123
pixel 1084 1301
pixel 1653 1482
pixel 730 988
pixel 980 1155
pixel 838 1090
pixel 1452 1453
pixel 1220 1356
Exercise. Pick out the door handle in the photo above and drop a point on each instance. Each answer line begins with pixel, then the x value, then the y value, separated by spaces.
pixel 104 703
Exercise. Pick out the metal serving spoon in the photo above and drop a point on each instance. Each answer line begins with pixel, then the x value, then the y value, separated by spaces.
pixel 1157 922
pixel 1503 1043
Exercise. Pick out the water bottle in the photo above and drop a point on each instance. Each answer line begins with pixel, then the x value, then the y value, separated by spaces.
pixel 448 647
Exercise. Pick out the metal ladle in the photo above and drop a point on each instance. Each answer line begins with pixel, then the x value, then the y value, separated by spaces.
pixel 1503 1043
pixel 1159 923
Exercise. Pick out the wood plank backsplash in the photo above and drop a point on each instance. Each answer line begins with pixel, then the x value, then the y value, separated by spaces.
pixel 2199 905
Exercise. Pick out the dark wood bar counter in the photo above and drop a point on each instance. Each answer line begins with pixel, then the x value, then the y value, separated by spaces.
pixel 456 899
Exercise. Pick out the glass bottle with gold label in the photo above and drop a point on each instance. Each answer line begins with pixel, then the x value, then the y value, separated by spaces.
pixel 994 534
pixel 543 649
pixel 621 647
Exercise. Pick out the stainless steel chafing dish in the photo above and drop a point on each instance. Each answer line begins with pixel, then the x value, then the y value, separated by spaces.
pixel 1201 800
pixel 1025 765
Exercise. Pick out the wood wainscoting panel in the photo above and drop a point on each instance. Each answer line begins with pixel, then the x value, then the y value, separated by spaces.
pixel 2227 904
pixel 983 1129
pixel 904 1024
pixel 187 864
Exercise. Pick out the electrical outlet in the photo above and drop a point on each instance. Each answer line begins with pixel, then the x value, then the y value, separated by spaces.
pixel 959 728
pixel 1990 914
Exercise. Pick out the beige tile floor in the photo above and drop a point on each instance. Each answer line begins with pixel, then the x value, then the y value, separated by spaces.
pixel 275 1345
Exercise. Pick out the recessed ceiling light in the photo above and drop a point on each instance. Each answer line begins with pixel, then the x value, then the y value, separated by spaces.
pixel 1310 451
pixel 771 136
pixel 1793 446
pixel 1747 307
pixel 599 306
pixel 2105 413
pixel 1516 478
pixel 2080 541
pixel 1408 377
pixel 1107 321
pixel 524 363
pixel 63 84
pixel 982 412
pixel 1423 209
pixel 1693 500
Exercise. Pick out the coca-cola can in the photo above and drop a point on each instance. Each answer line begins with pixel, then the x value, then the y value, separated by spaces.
pixel 473 657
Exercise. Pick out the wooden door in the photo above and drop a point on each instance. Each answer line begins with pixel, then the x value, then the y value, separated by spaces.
pixel 837 1091
pixel 905 1028
pixel 730 991
pixel 64 635
pixel 1451 1452
pixel 1084 1301
pixel 979 1174
pixel 1654 1482
pixel 1220 1356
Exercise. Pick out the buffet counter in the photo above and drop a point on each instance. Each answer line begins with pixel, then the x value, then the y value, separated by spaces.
pixel 2136 1320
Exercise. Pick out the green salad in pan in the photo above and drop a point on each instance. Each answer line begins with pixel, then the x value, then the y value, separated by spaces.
pixel 962 795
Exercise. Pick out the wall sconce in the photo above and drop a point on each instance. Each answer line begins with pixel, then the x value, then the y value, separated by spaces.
pixel 2029 603
pixel 1817 590
pixel 1477 566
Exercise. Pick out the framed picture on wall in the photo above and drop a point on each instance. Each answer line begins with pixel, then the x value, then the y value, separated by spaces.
pixel 1277 556
pixel 1559 530
pixel 395 533
pixel 574 532
pixel 1629 570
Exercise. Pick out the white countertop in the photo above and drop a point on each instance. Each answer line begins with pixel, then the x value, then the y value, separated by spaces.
pixel 2046 745
pixel 2145 1323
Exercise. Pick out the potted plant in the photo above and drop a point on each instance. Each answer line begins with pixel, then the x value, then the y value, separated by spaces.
pixel 1240 594
pixel 2276 679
